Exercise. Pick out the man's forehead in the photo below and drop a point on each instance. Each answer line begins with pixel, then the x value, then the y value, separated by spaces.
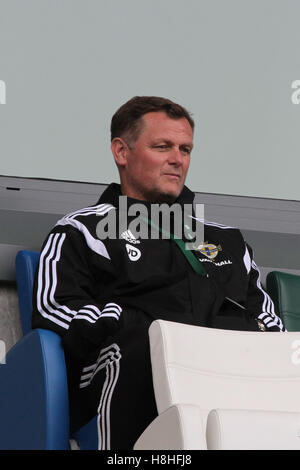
pixel 154 116
pixel 158 120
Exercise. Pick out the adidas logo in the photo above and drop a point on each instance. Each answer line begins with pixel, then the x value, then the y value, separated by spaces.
pixel 129 237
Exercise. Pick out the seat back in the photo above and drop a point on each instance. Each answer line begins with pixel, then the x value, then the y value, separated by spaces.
pixel 34 380
pixel 252 430
pixel 51 410
pixel 214 368
pixel 26 264
pixel 284 289
pixel 34 406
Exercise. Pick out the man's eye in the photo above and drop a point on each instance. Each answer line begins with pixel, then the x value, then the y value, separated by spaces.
pixel 186 150
pixel 161 146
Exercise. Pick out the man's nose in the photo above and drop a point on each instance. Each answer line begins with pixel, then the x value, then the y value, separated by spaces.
pixel 175 156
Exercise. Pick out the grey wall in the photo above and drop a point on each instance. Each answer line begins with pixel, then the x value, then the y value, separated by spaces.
pixel 10 322
pixel 29 208
pixel 69 64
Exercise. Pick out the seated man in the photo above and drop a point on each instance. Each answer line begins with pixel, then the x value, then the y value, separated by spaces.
pixel 102 293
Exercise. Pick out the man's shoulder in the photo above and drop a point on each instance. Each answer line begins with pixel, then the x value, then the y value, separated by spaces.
pixel 81 226
pixel 91 215
pixel 217 226
pixel 221 231
pixel 88 216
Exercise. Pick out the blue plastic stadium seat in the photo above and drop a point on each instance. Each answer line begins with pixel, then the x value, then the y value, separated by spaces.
pixel 26 264
pixel 34 404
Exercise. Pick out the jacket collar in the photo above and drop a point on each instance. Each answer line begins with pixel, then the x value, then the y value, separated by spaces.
pixel 113 192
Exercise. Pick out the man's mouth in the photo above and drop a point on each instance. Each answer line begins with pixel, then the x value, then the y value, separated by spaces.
pixel 173 176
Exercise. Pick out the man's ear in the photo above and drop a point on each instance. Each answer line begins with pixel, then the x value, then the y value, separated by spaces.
pixel 119 149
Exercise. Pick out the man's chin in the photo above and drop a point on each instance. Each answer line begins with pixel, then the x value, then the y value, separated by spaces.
pixel 168 196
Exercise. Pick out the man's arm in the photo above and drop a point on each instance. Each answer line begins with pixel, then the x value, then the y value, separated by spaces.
pixel 259 303
pixel 64 294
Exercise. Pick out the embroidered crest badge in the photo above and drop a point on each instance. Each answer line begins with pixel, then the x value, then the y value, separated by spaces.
pixel 209 250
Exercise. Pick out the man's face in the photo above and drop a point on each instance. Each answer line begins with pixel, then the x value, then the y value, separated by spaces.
pixel 156 164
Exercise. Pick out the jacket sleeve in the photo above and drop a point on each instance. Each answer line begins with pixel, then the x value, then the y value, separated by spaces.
pixel 64 294
pixel 259 303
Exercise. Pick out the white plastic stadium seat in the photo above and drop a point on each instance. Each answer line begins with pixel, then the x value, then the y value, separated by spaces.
pixel 252 430
pixel 247 382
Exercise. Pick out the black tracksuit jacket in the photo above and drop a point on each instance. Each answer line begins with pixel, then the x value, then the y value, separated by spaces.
pixel 86 288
